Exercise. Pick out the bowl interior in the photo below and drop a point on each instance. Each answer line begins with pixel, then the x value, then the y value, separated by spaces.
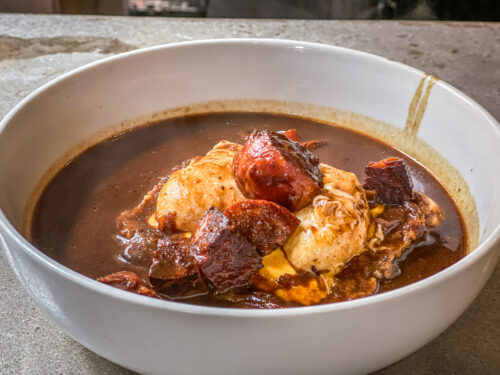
pixel 68 113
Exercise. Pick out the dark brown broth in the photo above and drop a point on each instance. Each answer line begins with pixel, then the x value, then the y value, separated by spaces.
pixel 75 219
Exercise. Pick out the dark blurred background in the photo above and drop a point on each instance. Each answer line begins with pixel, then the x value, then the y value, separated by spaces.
pixel 462 10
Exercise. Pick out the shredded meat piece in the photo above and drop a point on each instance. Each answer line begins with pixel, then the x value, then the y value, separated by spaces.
pixel 411 219
pixel 128 281
pixel 391 181
pixel 227 259
pixel 272 167
pixel 429 208
pixel 403 225
pixel 266 224
pixel 405 219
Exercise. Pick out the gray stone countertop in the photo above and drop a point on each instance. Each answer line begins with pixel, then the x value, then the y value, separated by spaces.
pixel 36 49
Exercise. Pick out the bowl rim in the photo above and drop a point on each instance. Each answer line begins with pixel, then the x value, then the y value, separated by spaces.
pixel 178 306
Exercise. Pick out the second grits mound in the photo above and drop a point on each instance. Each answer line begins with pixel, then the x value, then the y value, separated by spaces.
pixel 334 228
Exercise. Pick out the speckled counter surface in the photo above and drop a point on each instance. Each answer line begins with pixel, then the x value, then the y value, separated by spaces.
pixel 36 49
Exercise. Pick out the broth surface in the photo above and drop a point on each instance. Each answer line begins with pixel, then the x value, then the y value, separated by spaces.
pixel 75 218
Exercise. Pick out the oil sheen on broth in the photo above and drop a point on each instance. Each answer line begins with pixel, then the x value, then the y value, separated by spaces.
pixel 75 221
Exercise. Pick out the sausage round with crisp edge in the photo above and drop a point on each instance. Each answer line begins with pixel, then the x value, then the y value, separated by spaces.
pixel 272 167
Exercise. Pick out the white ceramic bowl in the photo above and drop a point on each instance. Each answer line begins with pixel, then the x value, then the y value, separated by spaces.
pixel 159 337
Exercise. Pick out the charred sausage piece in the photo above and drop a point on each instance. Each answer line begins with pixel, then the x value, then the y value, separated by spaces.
pixel 266 224
pixel 128 281
pixel 229 259
pixel 390 180
pixel 274 168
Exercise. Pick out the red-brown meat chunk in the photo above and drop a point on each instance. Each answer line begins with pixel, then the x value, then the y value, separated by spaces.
pixel 128 281
pixel 172 260
pixel 272 167
pixel 175 270
pixel 266 224
pixel 228 259
pixel 390 180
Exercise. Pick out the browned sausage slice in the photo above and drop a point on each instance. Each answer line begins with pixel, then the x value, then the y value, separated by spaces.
pixel 266 224
pixel 272 167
